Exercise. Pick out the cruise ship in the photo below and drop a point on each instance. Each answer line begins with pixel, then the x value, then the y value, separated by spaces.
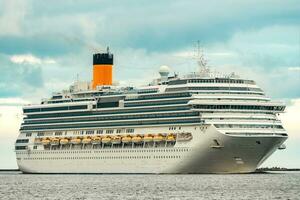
pixel 201 122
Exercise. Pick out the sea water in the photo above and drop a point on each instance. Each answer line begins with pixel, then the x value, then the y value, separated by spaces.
pixel 15 185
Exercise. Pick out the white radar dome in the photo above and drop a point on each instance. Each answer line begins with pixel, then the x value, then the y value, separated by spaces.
pixel 164 70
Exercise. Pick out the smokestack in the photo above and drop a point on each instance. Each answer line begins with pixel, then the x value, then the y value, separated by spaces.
pixel 102 69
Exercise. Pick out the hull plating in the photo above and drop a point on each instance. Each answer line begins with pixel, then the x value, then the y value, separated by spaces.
pixel 208 152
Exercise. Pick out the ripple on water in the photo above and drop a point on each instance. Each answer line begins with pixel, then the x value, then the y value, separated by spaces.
pixel 247 186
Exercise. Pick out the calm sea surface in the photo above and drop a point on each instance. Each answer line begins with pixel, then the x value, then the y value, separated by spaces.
pixel 250 186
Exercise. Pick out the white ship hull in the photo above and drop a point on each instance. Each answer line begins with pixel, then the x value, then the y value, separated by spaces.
pixel 233 154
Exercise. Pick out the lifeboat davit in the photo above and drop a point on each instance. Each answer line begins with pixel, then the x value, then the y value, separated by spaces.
pixel 64 141
pixel 86 140
pixel 116 140
pixel 126 139
pixel 148 138
pixel 45 141
pixel 96 140
pixel 106 139
pixel 158 138
pixel 54 141
pixel 171 138
pixel 76 141
pixel 137 139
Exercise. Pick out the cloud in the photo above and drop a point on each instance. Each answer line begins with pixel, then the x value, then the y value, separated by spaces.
pixel 297 69
pixel 11 22
pixel 255 41
pixel 30 59
pixel 39 44
pixel 10 120
pixel 290 156
pixel 156 27
pixel 13 102
pixel 18 79
pixel 291 118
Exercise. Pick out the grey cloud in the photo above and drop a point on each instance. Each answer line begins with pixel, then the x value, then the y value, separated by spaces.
pixel 17 79
pixel 162 26
pixel 143 34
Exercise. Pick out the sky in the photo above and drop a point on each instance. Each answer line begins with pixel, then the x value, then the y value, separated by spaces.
pixel 46 45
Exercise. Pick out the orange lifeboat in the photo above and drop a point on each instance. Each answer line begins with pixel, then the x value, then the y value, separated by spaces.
pixel 126 139
pixel 116 139
pixel 106 139
pixel 148 138
pixel 64 141
pixel 46 141
pixel 37 141
pixel 158 138
pixel 86 140
pixel 76 141
pixel 137 139
pixel 96 140
pixel 171 138
pixel 54 141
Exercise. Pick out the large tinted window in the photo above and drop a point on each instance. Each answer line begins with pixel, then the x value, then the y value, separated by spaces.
pixel 110 124
pixel 22 141
pixel 118 117
pixel 216 88
pixel 102 112
pixel 21 147
pixel 240 107
pixel 58 108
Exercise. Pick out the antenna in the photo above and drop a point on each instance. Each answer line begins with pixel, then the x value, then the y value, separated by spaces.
pixel 85 44
pixel 201 61
pixel 77 78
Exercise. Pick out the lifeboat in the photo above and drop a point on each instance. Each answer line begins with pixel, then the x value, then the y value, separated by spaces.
pixel 96 140
pixel 116 140
pixel 137 139
pixel 45 141
pixel 184 136
pixel 76 141
pixel 126 139
pixel 64 141
pixel 148 138
pixel 171 138
pixel 158 138
pixel 37 141
pixel 54 141
pixel 86 140
pixel 106 139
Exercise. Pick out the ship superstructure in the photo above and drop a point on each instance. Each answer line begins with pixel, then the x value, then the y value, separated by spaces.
pixel 199 123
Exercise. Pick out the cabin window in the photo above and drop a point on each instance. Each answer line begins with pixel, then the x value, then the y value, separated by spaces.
pixel 131 130
pixel 22 141
pixel 119 130
pixel 21 147
pixel 40 134
pixel 110 131
pixel 58 133
pixel 90 132
pixel 28 134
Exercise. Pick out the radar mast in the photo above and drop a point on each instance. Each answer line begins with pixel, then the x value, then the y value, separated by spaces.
pixel 204 70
